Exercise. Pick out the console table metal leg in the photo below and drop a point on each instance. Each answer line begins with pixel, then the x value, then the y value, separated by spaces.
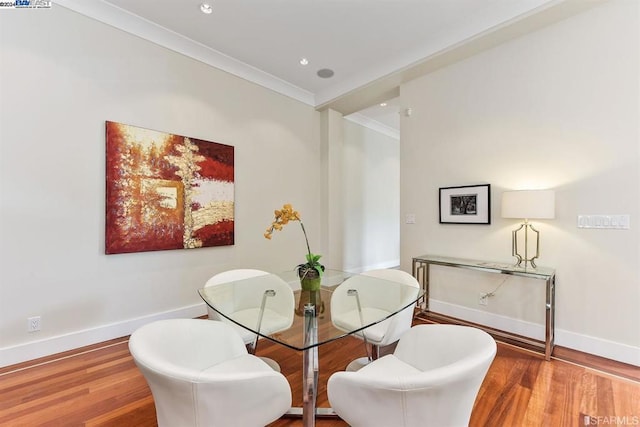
pixel 426 286
pixel 550 318
pixel 421 273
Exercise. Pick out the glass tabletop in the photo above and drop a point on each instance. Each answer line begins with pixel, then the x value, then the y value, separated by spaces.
pixel 239 302
pixel 505 268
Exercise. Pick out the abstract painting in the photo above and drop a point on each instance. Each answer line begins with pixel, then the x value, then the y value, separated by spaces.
pixel 166 191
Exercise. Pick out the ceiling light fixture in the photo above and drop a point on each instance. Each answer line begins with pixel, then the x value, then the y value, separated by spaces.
pixel 304 61
pixel 383 104
pixel 206 8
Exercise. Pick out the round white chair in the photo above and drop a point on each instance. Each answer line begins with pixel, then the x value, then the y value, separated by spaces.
pixel 431 379
pixel 200 374
pixel 378 300
pixel 243 305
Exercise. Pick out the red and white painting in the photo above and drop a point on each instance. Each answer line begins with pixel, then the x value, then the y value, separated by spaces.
pixel 166 191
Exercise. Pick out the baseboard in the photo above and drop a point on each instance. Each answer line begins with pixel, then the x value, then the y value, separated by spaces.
pixel 593 345
pixel 587 344
pixel 598 346
pixel 496 321
pixel 58 344
pixel 387 264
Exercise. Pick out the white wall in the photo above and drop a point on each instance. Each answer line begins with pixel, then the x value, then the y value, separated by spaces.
pixel 558 108
pixel 61 76
pixel 371 199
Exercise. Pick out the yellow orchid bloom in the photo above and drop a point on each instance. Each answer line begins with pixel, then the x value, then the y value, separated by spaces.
pixel 284 216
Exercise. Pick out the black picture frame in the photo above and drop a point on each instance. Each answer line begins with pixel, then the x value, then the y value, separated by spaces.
pixel 465 204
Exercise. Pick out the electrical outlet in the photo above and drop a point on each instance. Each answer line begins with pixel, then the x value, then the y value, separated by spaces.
pixel 33 324
pixel 484 299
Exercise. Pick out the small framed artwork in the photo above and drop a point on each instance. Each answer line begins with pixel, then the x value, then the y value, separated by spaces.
pixel 469 204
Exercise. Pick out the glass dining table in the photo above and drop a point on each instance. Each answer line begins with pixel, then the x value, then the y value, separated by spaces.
pixel 312 324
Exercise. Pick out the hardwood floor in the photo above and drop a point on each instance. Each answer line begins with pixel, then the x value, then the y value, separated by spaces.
pixel 101 386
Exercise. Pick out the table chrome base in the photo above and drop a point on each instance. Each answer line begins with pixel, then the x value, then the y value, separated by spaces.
pixel 320 413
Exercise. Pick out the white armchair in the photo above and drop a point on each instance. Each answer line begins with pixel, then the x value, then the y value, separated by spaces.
pixel 431 379
pixel 377 300
pixel 200 374
pixel 243 303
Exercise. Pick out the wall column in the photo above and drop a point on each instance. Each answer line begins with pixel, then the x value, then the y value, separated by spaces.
pixel 331 155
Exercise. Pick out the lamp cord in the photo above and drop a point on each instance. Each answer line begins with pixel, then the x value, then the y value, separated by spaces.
pixel 492 293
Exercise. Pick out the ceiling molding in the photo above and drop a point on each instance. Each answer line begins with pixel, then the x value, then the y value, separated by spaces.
pixel 359 97
pixel 374 125
pixel 477 23
pixel 133 24
pixel 370 94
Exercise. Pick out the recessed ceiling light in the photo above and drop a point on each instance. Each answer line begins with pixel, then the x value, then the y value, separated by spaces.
pixel 383 104
pixel 206 8
pixel 304 61
pixel 325 73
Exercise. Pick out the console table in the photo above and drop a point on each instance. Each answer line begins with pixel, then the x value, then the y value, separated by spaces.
pixel 421 266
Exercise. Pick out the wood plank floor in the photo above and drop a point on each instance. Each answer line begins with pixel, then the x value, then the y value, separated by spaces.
pixel 101 386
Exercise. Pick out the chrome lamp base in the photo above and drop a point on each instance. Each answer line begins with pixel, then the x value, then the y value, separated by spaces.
pixel 515 250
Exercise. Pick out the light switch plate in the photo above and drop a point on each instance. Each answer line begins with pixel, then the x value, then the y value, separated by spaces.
pixel 619 222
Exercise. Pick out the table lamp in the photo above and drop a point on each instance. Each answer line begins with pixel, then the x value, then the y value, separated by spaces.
pixel 526 205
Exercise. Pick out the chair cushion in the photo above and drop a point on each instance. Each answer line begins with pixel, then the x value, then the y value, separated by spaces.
pixel 350 320
pixel 271 321
pixel 388 366
pixel 246 363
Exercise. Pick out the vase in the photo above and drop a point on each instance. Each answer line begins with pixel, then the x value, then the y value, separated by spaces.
pixel 310 281
pixel 310 297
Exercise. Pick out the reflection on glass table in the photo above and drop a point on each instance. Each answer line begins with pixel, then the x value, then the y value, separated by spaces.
pixel 250 302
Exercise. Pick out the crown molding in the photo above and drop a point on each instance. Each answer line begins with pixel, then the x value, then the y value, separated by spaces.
pixel 374 125
pixel 147 30
pixel 547 13
pixel 116 17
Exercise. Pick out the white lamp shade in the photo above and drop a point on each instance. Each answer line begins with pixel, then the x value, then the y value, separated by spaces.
pixel 529 204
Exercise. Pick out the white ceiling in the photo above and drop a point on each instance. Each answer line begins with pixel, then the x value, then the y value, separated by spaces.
pixel 362 41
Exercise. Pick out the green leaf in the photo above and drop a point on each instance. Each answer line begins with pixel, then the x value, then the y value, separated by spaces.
pixel 313 259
